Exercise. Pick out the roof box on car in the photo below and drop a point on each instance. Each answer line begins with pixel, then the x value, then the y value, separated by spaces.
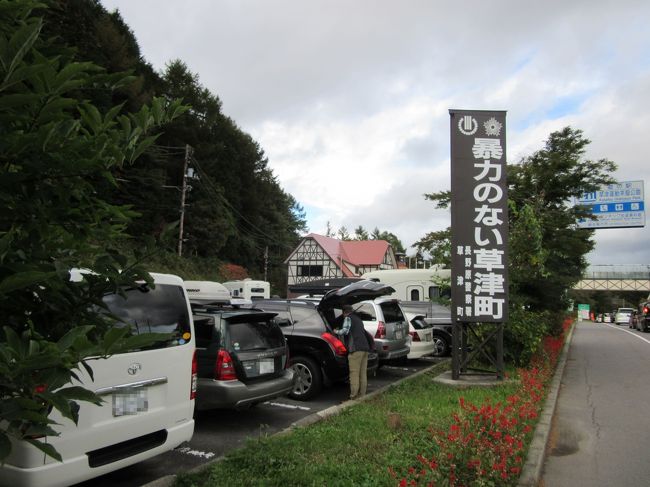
pixel 207 292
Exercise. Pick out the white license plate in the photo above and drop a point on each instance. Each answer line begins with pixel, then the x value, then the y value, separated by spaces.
pixel 267 365
pixel 398 335
pixel 130 401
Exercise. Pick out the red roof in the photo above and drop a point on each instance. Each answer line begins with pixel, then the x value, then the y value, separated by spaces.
pixel 365 252
pixel 355 252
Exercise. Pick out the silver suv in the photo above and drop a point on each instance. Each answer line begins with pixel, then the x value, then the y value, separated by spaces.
pixel 384 320
pixel 383 317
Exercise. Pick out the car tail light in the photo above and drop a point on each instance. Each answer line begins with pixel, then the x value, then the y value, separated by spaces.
pixel 381 330
pixel 646 310
pixel 414 336
pixel 195 375
pixel 337 345
pixel 224 368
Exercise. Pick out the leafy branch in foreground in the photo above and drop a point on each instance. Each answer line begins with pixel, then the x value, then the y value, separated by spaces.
pixel 56 150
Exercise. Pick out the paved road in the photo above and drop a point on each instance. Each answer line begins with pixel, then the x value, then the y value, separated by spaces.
pixel 601 433
pixel 217 432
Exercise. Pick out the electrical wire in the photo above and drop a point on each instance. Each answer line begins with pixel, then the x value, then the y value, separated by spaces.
pixel 213 186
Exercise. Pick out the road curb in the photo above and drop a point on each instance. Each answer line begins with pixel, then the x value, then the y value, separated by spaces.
pixel 532 471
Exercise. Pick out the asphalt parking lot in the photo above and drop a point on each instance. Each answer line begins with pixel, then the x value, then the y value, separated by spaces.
pixel 219 431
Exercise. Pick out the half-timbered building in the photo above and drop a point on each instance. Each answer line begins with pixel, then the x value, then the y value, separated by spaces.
pixel 318 257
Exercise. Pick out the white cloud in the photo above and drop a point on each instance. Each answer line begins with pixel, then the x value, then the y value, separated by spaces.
pixel 350 100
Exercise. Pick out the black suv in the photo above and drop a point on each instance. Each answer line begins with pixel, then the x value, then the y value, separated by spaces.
pixel 242 357
pixel 318 357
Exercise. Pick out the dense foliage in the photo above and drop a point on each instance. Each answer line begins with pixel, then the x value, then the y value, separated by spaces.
pixel 236 212
pixel 56 149
pixel 548 248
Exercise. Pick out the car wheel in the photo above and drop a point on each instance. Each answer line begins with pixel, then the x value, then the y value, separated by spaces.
pixel 441 345
pixel 307 378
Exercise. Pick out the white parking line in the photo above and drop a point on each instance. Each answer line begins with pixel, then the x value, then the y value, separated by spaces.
pixel 627 331
pixel 288 406
pixel 195 453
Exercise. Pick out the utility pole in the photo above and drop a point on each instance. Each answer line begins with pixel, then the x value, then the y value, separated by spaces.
pixel 266 261
pixel 186 161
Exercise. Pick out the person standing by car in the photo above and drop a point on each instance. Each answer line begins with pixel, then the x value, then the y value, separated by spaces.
pixel 358 345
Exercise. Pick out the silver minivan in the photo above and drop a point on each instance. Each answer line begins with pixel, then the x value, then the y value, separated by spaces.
pixel 148 396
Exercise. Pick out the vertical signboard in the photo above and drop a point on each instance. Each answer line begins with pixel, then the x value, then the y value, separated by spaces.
pixel 479 216
pixel 619 205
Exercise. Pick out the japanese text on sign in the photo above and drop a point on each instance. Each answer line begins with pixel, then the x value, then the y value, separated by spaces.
pixel 479 216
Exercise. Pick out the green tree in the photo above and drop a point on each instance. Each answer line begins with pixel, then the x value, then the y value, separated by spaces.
pixel 548 250
pixel 361 233
pixel 343 234
pixel 389 237
pixel 438 245
pixel 236 209
pixel 55 152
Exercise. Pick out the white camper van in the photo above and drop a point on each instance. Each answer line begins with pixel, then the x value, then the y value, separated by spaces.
pixel 411 284
pixel 207 292
pixel 148 396
pixel 249 289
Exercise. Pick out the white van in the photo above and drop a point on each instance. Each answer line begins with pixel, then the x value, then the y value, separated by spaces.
pixel 249 289
pixel 149 397
pixel 207 292
pixel 411 284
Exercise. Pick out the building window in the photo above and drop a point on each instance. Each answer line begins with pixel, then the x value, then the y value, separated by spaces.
pixel 434 292
pixel 310 270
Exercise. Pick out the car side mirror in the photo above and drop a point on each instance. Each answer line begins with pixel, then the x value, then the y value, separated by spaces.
pixel 283 322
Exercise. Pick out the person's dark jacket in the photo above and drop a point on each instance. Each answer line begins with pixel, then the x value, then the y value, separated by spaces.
pixel 358 339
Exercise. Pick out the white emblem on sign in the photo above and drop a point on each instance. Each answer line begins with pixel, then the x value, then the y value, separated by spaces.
pixel 493 127
pixel 467 125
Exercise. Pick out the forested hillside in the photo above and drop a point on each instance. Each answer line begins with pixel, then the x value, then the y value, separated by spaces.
pixel 236 210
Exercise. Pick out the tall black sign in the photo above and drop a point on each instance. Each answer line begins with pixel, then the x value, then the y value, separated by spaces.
pixel 479 216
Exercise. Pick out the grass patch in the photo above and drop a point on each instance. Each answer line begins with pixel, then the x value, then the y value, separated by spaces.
pixel 355 447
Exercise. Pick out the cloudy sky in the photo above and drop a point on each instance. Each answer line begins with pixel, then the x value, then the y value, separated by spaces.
pixel 350 99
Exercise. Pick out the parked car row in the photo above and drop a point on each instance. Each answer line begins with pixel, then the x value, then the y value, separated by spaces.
pixel 318 356
pixel 621 316
pixel 214 355
pixel 605 318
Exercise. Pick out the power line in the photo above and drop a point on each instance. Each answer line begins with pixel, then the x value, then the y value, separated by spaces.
pixel 261 233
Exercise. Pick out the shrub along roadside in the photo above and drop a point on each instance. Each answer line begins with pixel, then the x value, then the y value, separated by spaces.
pixel 487 443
